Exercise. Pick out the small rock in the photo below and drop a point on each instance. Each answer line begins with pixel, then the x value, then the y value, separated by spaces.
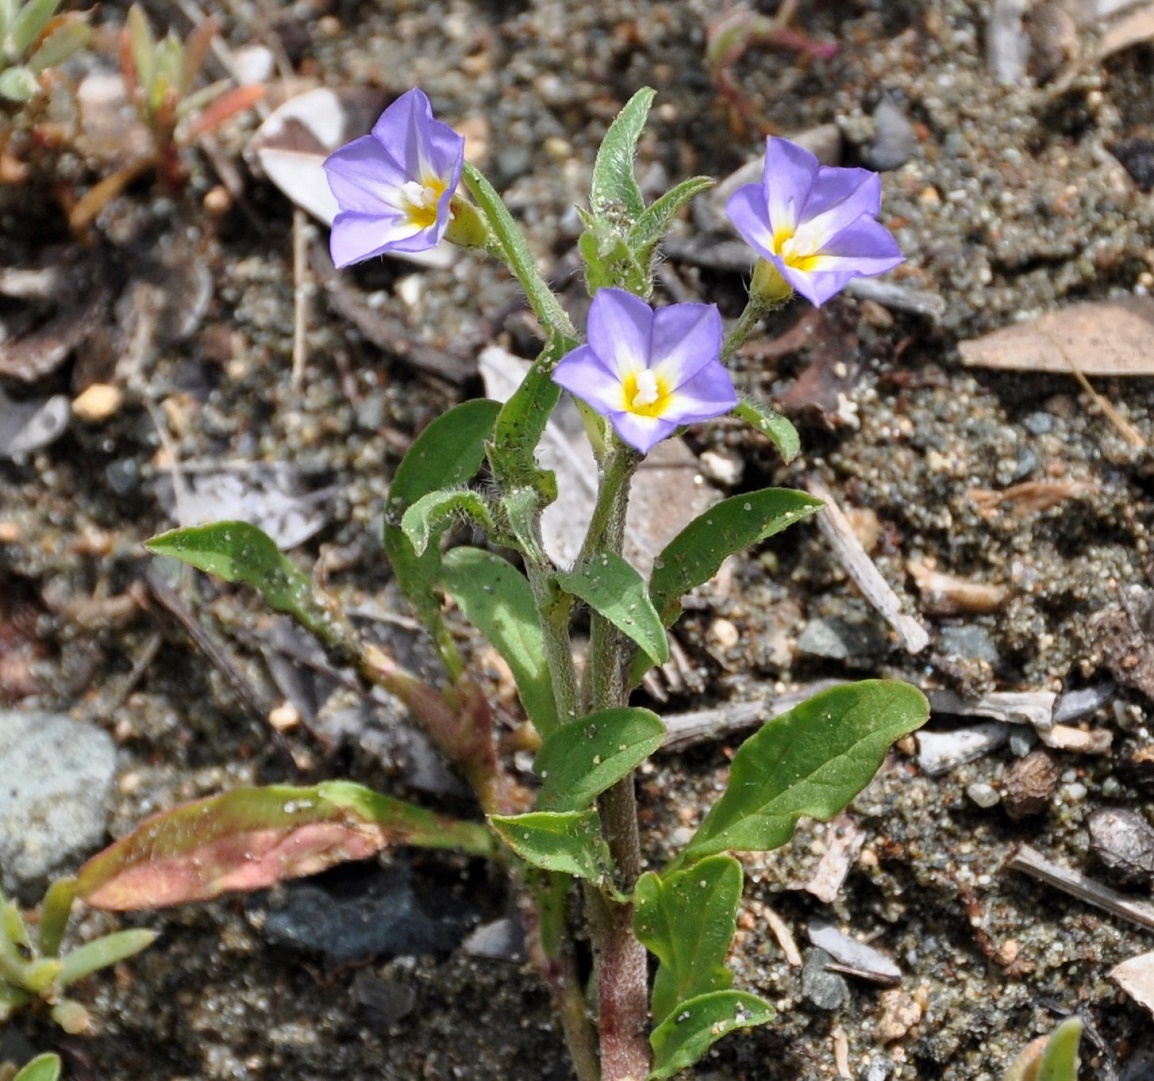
pixel 1137 158
pixel 894 139
pixel 1040 423
pixel 898 1015
pixel 723 467
pixel 387 1001
pixel 841 640
pixel 501 940
pixel 1124 841
pixel 1137 768
pixel 56 780
pixel 97 402
pixel 970 641
pixel 984 795
pixel 826 990
pixel 856 958
pixel 1029 784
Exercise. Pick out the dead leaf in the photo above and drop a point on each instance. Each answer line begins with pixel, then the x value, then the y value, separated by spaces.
pixel 949 595
pixel 1109 337
pixel 1136 978
pixel 1029 497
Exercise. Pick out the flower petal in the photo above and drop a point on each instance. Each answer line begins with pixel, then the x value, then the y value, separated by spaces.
pixel 619 329
pixel 582 374
pixel 364 177
pixel 641 432
pixel 686 338
pixel 706 395
pixel 357 237
pixel 789 174
pixel 747 210
pixel 862 249
pixel 839 198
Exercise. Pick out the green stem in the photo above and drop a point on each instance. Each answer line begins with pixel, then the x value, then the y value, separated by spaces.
pixel 746 324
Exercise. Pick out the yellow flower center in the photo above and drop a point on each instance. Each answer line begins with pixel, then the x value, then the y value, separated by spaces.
pixel 792 249
pixel 421 198
pixel 646 393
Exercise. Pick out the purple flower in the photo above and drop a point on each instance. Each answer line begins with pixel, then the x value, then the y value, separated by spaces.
pixel 649 371
pixel 394 186
pixel 814 223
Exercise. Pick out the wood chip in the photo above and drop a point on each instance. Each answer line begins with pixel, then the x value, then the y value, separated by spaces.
pixel 1031 862
pixel 1136 978
pixel 940 752
pixel 841 1053
pixel 1035 708
pixel 838 531
pixel 1107 337
pixel 852 957
pixel 949 595
pixel 783 935
pixel 1064 737
pixel 844 840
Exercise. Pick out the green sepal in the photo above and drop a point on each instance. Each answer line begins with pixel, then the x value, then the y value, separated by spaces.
pixel 653 224
pixel 497 599
pixel 614 195
pixel 518 256
pixel 611 586
pixel 240 552
pixel 695 1026
pixel 810 761
pixel 434 512
pixel 687 920
pixel 586 757
pixel 446 454
pixel 568 842
pixel 776 428
pixel 610 262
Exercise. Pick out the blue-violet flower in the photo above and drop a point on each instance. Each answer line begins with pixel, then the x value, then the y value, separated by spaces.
pixel 395 186
pixel 649 371
pixel 814 224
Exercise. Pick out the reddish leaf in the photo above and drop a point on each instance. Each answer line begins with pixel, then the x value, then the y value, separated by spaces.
pixel 254 837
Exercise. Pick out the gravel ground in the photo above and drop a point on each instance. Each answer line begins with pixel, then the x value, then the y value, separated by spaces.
pixel 1009 203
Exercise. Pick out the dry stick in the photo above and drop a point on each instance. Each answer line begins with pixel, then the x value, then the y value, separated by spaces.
pixel 1031 862
pixel 301 291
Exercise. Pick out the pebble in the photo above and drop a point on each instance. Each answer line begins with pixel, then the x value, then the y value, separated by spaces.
pixel 724 467
pixel 826 990
pixel 1124 841
pixel 984 795
pixel 970 641
pixel 58 775
pixel 1029 784
pixel 894 139
pixel 840 640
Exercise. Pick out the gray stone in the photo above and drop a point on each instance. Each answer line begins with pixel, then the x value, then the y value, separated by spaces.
pixel 54 786
pixel 1040 423
pixel 894 139
pixel 970 641
pixel 841 640
pixel 826 990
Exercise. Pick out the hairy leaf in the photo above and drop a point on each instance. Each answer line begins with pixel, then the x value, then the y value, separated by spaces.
pixel 565 841
pixel 613 588
pixel 776 428
pixel 653 223
pixel 810 761
pixel 614 196
pixel 432 513
pixel 497 600
pixel 695 1026
pixel 584 758
pixel 688 920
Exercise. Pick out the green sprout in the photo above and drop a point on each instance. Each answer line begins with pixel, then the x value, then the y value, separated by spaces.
pixel 41 1068
pixel 33 38
pixel 1050 1058
pixel 33 970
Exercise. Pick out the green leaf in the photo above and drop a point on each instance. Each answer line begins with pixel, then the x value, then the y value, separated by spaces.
pixel 1060 1060
pixel 695 555
pixel 652 225
pixel 239 552
pixel 66 40
pixel 54 912
pixel 496 598
pixel 18 84
pixel 612 587
pixel 776 428
pixel 518 430
pixel 41 1068
pixel 251 838
pixel 515 250
pixel 433 513
pixel 584 758
pixel 610 262
pixel 810 761
pixel 565 841
pixel 103 952
pixel 688 920
pixel 29 24
pixel 614 196
pixel 446 454
pixel 695 1026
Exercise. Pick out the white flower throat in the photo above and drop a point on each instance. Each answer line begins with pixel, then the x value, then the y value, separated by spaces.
pixel 419 195
pixel 647 389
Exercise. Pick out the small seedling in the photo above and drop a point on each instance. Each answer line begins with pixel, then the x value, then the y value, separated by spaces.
pixel 33 38
pixel 34 972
